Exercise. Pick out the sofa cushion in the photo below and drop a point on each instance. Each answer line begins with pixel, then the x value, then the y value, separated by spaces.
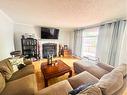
pixel 80 88
pixel 5 72
pixel 105 66
pixel 60 88
pixel 111 82
pixel 29 69
pixel 91 67
pixel 23 86
pixel 6 63
pixel 27 62
pixel 84 77
pixel 2 83
pixel 122 68
pixel 96 71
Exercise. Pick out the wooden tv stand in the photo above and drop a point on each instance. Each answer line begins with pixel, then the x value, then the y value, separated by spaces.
pixel 67 53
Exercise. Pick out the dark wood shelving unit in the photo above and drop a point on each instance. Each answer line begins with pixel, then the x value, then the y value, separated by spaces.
pixel 29 47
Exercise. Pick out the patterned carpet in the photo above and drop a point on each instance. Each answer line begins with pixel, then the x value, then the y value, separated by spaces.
pixel 39 75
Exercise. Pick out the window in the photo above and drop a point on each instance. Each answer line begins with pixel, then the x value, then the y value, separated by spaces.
pixel 89 42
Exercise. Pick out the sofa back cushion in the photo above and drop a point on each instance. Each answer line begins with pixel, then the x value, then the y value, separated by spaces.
pixel 111 82
pixel 90 67
pixel 5 71
pixel 96 71
pixel 105 66
pixel 2 83
pixel 6 63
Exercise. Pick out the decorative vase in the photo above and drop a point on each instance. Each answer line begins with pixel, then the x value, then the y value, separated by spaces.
pixel 49 59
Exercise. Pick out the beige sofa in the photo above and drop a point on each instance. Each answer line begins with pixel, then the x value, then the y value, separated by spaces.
pixel 63 87
pixel 21 82
pixel 95 68
pixel 97 75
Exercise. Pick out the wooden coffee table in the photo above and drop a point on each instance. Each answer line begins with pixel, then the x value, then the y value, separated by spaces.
pixel 57 69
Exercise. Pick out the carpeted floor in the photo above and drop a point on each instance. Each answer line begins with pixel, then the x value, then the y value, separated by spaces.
pixel 39 75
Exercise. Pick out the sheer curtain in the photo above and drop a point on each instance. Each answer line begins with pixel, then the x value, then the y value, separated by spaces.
pixel 104 41
pixel 78 42
pixel 109 42
pixel 123 52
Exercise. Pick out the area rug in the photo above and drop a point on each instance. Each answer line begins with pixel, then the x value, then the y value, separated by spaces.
pixel 39 75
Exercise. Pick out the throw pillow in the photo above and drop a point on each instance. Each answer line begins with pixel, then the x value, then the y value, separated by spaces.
pixel 15 62
pixel 80 88
pixel 5 72
pixel 27 62
pixel 91 90
pixel 20 66
pixel 111 82
pixel 2 83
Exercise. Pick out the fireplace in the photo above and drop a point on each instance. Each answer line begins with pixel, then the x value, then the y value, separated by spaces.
pixel 49 48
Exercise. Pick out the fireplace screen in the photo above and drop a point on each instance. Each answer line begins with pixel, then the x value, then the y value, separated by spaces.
pixel 49 49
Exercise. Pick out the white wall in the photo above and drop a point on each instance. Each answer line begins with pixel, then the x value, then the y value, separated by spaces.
pixel 63 39
pixel 71 44
pixel 64 35
pixel 20 30
pixel 6 36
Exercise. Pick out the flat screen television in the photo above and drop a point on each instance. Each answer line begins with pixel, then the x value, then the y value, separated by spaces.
pixel 49 33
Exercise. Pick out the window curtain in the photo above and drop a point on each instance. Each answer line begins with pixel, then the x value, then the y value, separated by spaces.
pixel 123 53
pixel 78 42
pixel 89 42
pixel 104 41
pixel 109 42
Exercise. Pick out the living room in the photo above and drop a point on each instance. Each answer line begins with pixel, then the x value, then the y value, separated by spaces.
pixel 71 47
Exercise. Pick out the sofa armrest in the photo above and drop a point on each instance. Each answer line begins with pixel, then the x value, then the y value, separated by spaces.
pixel 60 88
pixel 84 77
pixel 105 66
pixel 27 62
pixel 23 86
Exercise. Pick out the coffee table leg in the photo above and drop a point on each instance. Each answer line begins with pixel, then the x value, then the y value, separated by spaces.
pixel 46 82
pixel 70 73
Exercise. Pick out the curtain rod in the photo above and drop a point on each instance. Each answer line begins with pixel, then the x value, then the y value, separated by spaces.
pixel 102 23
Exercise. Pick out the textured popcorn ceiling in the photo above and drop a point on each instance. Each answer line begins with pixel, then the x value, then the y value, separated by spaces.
pixel 63 13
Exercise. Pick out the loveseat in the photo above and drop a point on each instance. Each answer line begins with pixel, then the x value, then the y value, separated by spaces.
pixel 21 82
pixel 111 81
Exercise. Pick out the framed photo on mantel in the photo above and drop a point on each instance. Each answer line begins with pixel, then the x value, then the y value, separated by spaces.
pixel 65 47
